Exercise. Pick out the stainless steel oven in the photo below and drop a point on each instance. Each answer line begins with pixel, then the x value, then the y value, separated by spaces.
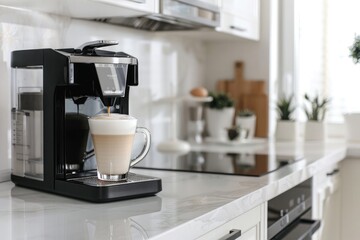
pixel 289 214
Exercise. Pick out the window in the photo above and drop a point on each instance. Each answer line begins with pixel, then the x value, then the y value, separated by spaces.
pixel 326 30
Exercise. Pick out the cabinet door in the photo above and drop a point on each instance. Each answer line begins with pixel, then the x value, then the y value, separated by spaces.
pixel 241 18
pixel 350 191
pixel 248 9
pixel 252 225
pixel 331 220
pixel 149 6
pixel 327 203
pixel 88 8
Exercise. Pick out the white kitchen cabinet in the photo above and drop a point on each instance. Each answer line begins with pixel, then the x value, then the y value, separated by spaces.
pixel 88 8
pixel 252 225
pixel 146 6
pixel 327 203
pixel 240 18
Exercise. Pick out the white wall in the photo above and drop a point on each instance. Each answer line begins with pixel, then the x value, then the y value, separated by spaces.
pixel 221 55
pixel 259 57
pixel 167 66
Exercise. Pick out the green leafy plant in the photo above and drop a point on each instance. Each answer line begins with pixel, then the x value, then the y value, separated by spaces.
pixel 245 113
pixel 317 109
pixel 220 101
pixel 355 50
pixel 285 109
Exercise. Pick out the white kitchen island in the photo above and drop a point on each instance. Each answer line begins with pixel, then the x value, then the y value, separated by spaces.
pixel 189 206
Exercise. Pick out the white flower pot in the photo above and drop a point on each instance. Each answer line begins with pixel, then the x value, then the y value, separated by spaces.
pixel 247 123
pixel 217 121
pixel 287 130
pixel 315 131
pixel 352 122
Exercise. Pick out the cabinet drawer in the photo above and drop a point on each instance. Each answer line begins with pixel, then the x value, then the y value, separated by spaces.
pixel 250 224
pixel 239 26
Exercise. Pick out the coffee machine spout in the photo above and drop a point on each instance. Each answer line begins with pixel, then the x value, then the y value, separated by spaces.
pixel 108 101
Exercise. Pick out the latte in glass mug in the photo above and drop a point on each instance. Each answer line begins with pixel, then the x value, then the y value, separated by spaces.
pixel 113 137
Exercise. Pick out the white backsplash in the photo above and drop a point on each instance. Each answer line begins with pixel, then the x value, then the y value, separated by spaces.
pixel 167 66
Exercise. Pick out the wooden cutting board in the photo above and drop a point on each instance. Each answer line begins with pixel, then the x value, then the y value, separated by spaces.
pixel 248 94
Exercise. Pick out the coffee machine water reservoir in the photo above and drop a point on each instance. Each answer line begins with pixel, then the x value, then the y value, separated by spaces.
pixel 54 92
pixel 27 124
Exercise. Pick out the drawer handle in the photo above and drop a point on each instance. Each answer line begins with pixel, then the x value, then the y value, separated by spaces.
pixel 333 172
pixel 232 235
pixel 237 28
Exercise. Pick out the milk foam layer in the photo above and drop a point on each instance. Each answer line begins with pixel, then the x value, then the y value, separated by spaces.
pixel 115 124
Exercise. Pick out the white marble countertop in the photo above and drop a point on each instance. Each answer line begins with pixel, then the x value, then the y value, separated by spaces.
pixel 190 204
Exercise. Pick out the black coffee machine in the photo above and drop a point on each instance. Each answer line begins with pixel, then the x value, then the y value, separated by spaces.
pixel 53 94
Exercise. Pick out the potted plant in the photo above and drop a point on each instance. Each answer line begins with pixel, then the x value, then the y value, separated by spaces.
pixel 246 119
pixel 219 115
pixel 355 50
pixel 286 128
pixel 315 128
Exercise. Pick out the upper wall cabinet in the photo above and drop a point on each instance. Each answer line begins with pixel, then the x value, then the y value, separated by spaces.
pixel 88 8
pixel 235 18
pixel 240 18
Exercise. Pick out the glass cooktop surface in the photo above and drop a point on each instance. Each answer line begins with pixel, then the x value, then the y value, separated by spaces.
pixel 245 164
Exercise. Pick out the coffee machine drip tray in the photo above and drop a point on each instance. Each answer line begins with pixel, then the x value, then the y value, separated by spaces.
pixel 91 189
pixel 132 178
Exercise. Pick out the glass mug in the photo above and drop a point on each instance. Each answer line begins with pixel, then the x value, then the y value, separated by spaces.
pixel 113 137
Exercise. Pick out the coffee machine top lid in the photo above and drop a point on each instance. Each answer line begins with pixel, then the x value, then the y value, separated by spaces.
pixel 90 46
pixel 89 53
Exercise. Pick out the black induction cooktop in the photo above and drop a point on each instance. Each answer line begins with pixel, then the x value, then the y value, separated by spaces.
pixel 244 164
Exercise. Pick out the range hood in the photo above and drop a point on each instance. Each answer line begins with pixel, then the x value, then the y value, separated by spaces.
pixel 173 15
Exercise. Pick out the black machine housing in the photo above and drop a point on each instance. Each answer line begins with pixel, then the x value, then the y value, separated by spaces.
pixel 70 77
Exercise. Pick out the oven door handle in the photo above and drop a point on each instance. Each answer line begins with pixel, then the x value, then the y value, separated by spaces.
pixel 315 225
pixel 311 227
pixel 232 235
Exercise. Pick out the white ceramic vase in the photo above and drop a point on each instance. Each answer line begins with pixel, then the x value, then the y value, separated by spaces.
pixel 315 131
pixel 218 120
pixel 287 130
pixel 352 122
pixel 248 123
